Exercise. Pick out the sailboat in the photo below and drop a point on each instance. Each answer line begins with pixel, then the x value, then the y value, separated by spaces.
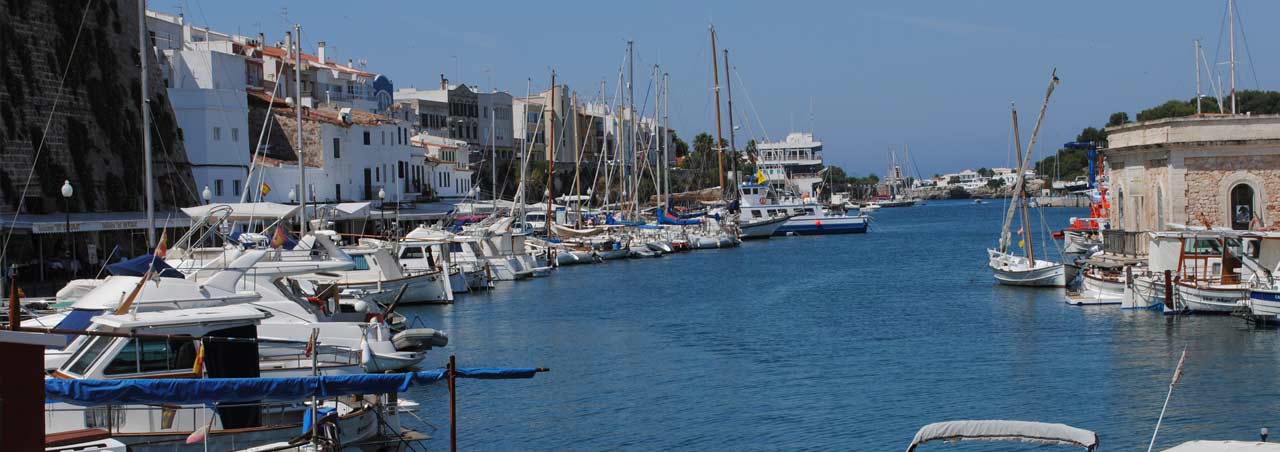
pixel 1025 270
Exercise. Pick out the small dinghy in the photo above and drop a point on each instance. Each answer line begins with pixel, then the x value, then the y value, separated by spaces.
pixel 418 339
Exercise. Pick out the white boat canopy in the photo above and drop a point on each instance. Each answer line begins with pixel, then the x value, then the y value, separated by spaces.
pixel 1224 446
pixel 995 430
pixel 245 211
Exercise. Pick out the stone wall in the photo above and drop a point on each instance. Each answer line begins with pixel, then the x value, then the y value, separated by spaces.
pixel 1209 181
pixel 93 136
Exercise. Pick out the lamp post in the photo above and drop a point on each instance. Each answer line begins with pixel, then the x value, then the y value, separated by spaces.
pixel 382 211
pixel 67 191
pixel 206 194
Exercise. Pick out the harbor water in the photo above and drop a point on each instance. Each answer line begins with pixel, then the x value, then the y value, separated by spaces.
pixel 834 342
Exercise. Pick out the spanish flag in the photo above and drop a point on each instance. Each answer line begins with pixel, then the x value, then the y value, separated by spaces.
pixel 198 367
pixel 162 247
pixel 263 189
pixel 279 238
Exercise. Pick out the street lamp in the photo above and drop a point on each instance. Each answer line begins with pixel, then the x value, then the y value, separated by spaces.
pixel 67 191
pixel 293 195
pixel 206 194
pixel 382 211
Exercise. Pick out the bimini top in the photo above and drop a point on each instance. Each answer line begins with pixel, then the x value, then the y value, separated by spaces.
pixel 181 317
pixel 1225 446
pixel 245 211
pixel 1023 431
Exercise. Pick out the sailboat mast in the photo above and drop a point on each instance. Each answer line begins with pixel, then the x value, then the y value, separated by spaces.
pixel 143 48
pixel 728 86
pixel 302 148
pixel 666 147
pixel 1231 24
pixel 1022 164
pixel 1019 196
pixel 1198 100
pixel 577 164
pixel 715 68
pixel 551 150
pixel 628 131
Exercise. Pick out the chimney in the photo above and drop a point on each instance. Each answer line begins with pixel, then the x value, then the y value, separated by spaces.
pixel 444 83
pixel 320 52
pixel 288 44
pixel 262 39
pixel 350 63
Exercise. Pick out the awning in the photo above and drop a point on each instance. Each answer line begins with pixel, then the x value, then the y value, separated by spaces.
pixel 168 391
pixel 245 211
pixel 1021 431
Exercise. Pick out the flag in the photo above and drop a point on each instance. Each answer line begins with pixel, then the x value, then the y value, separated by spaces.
pixel 311 343
pixel 1022 243
pixel 162 247
pixel 279 238
pixel 759 176
pixel 198 367
pixel 198 435
pixel 264 189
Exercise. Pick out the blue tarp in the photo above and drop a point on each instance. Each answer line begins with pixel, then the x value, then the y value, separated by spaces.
pixel 77 319
pixel 218 390
pixel 138 266
pixel 665 217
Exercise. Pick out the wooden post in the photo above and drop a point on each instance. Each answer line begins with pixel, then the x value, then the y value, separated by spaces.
pixel 1168 289
pixel 453 407
pixel 1128 276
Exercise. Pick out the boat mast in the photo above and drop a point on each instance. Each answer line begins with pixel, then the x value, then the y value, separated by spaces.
pixel 666 147
pixel 551 149
pixel 1198 77
pixel 1231 24
pixel 628 131
pixel 1019 196
pixel 526 154
pixel 302 148
pixel 577 164
pixel 728 86
pixel 144 47
pixel 719 135
pixel 1022 164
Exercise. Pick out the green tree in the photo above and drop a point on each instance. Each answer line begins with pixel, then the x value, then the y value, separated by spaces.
pixel 1118 118
pixel 995 183
pixel 984 172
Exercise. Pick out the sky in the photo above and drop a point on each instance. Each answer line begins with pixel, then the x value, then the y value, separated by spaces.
pixel 866 77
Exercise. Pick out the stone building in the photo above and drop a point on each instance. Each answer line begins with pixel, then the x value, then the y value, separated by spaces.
pixel 1220 171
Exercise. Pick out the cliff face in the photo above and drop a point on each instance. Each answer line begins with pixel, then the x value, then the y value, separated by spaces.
pixel 93 122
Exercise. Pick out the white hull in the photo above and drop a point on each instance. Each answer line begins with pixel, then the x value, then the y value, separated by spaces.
pixel 1264 303
pixel 1014 271
pixel 1146 292
pixel 760 229
pixel 423 288
pixel 1211 300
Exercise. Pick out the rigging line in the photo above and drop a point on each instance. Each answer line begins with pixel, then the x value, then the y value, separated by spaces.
pixel 1248 53
pixel 44 135
pixel 751 104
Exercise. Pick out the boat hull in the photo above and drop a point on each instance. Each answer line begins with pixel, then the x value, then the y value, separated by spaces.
pixel 1102 289
pixel 1211 300
pixel 422 288
pixel 1013 271
pixel 760 229
pixel 1264 303
pixel 820 225
pixel 1146 292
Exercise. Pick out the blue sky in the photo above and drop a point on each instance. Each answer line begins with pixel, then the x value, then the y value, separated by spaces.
pixel 935 75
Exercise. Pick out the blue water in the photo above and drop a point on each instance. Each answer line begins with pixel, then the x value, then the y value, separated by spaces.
pixel 838 342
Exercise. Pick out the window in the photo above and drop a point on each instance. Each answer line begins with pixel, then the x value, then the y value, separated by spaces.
pixel 337 192
pixel 383 133
pixel 235 134
pixel 89 354
pixel 235 187
pixel 377 174
pixel 217 187
pixel 337 147
pixel 366 138
pixel 361 263
pixel 411 253
pixel 1241 207
pixel 217 133
pixel 755 214
pixel 143 355
pixel 400 169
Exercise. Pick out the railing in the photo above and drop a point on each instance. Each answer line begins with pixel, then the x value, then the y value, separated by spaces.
pixel 1124 243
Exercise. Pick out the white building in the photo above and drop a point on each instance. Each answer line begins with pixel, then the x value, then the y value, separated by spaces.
pixel 447 166
pixel 496 128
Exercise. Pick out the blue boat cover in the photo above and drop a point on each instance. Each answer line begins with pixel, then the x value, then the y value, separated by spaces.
pixel 217 390
pixel 665 217
pixel 77 319
pixel 138 267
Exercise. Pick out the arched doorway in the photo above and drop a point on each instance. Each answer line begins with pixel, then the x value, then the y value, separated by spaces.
pixel 1242 209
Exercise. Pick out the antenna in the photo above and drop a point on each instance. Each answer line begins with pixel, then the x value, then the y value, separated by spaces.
pixel 810 115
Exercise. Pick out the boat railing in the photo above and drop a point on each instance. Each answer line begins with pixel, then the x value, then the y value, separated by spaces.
pixel 1124 243
pixel 177 419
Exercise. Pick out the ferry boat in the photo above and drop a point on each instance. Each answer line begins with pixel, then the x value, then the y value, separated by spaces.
pixel 806 217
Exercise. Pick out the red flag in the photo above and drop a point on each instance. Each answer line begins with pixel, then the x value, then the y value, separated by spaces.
pixel 162 248
pixel 279 238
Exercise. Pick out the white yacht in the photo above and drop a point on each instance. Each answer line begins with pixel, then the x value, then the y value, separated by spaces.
pixel 804 216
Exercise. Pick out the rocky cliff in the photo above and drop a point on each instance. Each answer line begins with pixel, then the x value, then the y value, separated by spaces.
pixel 89 130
